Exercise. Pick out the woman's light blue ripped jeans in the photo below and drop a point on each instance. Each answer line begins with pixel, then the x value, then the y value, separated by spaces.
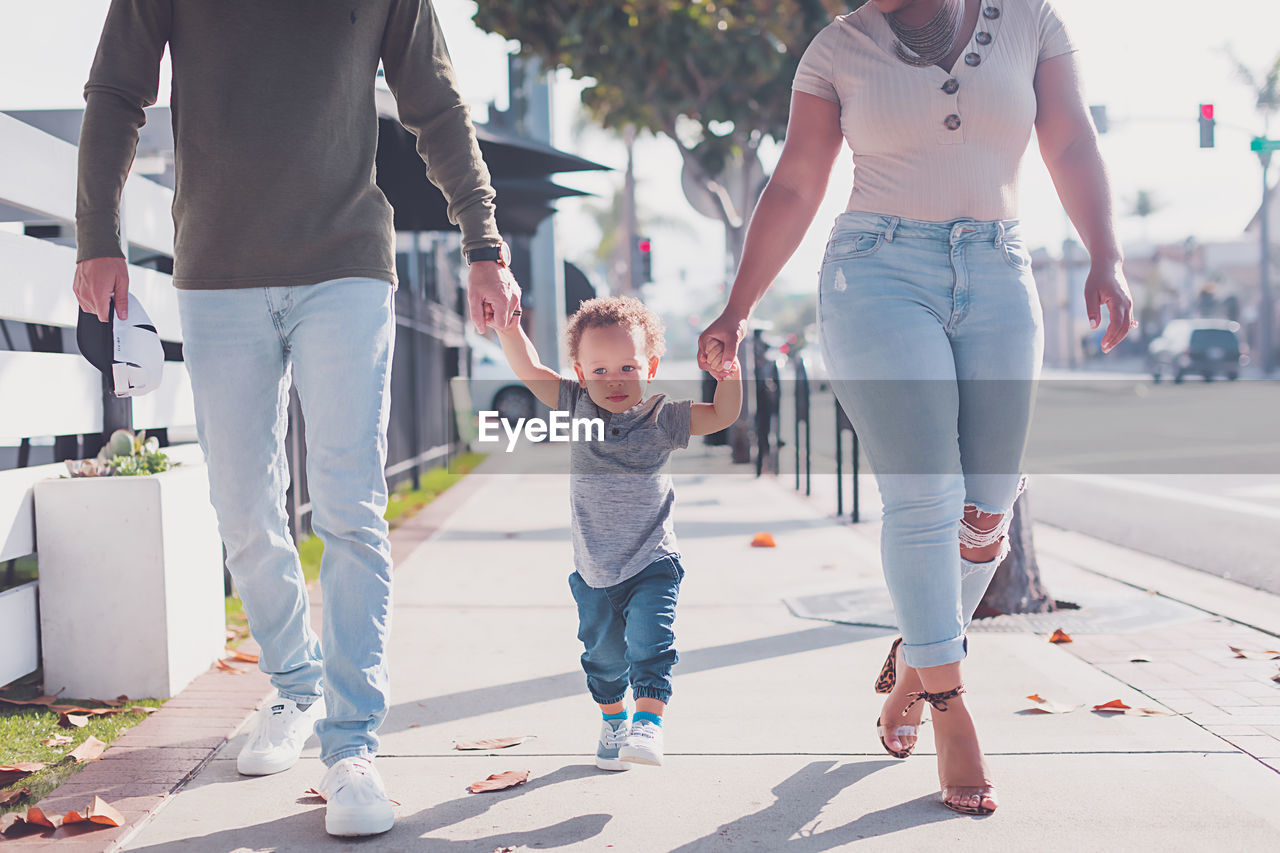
pixel 932 335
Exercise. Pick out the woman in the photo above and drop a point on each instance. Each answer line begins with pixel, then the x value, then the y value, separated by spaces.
pixel 929 318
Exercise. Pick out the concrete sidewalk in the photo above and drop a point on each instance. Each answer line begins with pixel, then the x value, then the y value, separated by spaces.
pixel 770 737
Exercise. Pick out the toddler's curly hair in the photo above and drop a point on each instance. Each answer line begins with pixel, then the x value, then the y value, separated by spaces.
pixel 625 311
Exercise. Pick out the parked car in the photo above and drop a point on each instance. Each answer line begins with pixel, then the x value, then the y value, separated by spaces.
pixel 494 385
pixel 1203 347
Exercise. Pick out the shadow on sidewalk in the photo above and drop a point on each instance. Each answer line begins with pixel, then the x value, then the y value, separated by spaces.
pixel 518 694
pixel 305 832
pixel 792 824
pixel 470 806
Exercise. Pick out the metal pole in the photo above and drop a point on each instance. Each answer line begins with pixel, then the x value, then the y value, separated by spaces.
pixel 629 211
pixel 1267 308
pixel 839 464
pixel 853 458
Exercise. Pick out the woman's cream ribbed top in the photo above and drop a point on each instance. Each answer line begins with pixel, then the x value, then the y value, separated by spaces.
pixel 928 144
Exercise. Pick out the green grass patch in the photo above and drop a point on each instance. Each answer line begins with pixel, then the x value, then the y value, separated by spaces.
pixel 17 572
pixel 23 728
pixel 402 504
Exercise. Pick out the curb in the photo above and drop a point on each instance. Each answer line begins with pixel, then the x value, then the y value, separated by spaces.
pixel 143 768
pixel 1244 605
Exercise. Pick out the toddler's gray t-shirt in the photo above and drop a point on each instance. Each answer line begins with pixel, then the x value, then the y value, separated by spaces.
pixel 620 491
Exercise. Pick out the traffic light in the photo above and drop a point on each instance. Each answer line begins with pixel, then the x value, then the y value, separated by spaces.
pixel 642 260
pixel 1206 125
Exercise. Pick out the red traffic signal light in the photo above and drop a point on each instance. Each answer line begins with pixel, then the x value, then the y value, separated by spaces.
pixel 1206 125
pixel 641 261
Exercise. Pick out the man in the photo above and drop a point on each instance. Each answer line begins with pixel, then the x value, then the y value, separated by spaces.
pixel 284 261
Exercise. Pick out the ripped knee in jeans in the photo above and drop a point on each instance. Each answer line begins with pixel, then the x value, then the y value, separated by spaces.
pixel 984 535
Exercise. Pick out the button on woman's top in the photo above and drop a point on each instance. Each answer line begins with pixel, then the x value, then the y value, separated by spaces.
pixel 929 143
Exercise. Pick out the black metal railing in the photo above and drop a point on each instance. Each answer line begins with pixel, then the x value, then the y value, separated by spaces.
pixel 843 424
pixel 802 417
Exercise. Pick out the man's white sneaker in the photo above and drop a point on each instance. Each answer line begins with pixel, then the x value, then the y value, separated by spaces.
pixel 355 801
pixel 643 745
pixel 277 737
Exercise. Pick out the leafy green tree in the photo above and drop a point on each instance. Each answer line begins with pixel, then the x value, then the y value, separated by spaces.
pixel 713 76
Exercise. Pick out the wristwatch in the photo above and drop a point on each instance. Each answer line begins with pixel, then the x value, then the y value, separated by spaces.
pixel 500 253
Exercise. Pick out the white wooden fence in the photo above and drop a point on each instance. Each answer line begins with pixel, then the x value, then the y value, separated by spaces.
pixel 46 394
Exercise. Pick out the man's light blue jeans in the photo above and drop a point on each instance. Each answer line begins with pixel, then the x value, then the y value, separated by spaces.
pixel 932 336
pixel 335 340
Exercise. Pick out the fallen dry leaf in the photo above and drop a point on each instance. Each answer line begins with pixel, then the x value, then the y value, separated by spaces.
pixel 500 781
pixel 1276 677
pixel 88 751
pixel 763 540
pixel 489 743
pixel 233 654
pixel 36 817
pixel 1151 712
pixel 85 712
pixel 57 740
pixel 313 794
pixel 11 773
pixel 100 811
pixel 1060 636
pixel 39 700
pixel 226 667
pixel 1139 660
pixel 1256 654
pixel 143 709
pixel 12 795
pixel 1048 706
pixel 1115 706
pixel 510 849
pixel 73 721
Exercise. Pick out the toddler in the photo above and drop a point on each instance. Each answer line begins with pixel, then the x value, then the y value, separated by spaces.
pixel 627 568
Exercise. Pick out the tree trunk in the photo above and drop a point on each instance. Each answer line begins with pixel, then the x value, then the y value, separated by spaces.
pixel 1016 587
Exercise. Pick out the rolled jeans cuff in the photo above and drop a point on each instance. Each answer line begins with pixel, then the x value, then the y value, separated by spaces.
pixel 298 698
pixel 605 700
pixel 354 752
pixel 642 692
pixel 934 654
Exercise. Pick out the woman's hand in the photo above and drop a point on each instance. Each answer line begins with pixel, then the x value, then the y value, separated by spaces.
pixel 1106 286
pixel 718 345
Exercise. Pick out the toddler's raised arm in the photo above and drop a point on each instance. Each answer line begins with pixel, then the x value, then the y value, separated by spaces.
pixel 706 418
pixel 523 358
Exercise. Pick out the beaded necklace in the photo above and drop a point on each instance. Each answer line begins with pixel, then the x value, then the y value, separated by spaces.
pixel 926 45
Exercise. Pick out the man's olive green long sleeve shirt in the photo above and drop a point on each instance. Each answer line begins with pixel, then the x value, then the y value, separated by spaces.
pixel 275 132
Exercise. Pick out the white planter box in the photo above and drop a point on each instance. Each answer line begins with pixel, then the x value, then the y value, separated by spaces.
pixel 19 632
pixel 131 595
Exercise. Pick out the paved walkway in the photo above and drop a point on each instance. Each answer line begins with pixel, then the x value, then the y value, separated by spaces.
pixel 770 740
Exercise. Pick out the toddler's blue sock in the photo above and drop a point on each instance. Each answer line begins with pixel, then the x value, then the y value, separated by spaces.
pixel 621 715
pixel 647 717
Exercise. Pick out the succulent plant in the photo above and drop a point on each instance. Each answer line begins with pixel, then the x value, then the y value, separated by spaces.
pixel 124 455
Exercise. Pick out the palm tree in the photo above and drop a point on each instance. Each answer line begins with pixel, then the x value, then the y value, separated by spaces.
pixel 1265 86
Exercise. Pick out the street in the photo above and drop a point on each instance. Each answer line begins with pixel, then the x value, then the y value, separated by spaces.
pixel 1187 473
